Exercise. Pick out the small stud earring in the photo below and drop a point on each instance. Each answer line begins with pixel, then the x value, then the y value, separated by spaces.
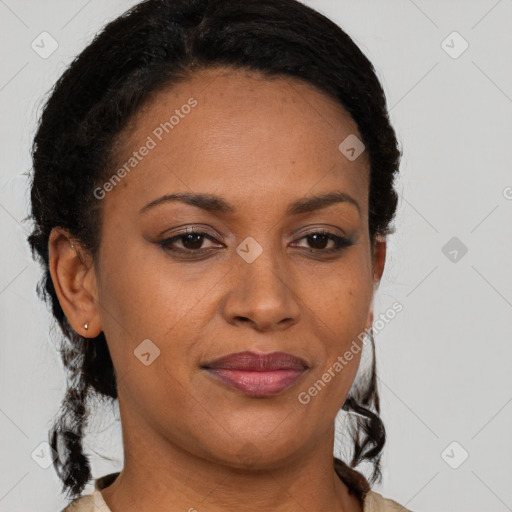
pixel 86 326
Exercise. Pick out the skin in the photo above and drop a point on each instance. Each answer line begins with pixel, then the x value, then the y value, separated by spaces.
pixel 191 442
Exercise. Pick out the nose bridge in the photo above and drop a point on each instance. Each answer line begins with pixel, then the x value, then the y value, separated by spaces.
pixel 265 266
pixel 263 271
pixel 262 290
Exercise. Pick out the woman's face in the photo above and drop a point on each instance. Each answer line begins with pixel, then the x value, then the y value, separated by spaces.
pixel 260 281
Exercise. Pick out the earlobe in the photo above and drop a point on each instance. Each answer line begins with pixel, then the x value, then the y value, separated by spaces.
pixel 74 281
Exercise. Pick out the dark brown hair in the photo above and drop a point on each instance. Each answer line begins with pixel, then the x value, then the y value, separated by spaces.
pixel 151 47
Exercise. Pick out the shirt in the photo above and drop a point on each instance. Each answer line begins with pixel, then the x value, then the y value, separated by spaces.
pixel 373 501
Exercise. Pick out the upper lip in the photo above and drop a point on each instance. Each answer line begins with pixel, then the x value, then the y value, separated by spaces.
pixel 251 361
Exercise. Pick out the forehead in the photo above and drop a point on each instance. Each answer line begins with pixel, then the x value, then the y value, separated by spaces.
pixel 240 134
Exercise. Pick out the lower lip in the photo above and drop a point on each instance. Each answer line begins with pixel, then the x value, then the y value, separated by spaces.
pixel 257 384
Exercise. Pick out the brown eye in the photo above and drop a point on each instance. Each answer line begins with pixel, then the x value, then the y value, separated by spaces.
pixel 319 240
pixel 191 242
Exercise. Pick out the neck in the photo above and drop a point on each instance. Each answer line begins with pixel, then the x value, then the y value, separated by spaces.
pixel 163 477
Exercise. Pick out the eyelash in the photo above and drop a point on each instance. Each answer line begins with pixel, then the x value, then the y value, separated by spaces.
pixel 341 243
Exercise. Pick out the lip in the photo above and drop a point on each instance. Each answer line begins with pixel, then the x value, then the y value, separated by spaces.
pixel 258 375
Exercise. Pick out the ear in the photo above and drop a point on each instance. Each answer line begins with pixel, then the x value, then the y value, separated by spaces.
pixel 378 263
pixel 378 260
pixel 74 281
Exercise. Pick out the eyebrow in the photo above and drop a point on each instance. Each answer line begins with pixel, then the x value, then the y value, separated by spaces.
pixel 216 204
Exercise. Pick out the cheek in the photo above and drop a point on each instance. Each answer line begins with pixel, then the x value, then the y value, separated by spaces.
pixel 340 303
pixel 341 295
pixel 146 296
pixel 148 291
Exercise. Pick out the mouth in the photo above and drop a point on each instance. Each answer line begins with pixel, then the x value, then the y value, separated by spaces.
pixel 257 375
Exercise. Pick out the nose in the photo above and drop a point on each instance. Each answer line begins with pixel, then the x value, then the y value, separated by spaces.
pixel 262 294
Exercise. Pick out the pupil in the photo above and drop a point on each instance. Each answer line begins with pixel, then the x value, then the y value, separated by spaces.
pixel 315 240
pixel 194 239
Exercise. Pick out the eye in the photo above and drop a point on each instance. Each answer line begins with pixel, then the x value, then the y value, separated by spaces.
pixel 191 242
pixel 320 239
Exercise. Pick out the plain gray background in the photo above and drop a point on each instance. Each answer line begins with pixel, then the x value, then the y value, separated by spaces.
pixel 443 362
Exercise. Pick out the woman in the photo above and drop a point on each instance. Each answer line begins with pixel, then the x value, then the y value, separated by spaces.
pixel 212 191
